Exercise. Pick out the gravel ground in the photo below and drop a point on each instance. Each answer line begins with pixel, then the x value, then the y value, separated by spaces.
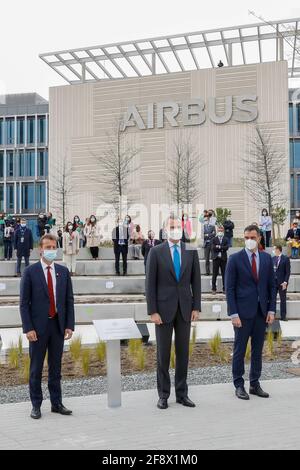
pixel 98 385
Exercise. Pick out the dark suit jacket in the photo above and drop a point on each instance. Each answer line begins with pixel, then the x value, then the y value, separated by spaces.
pixel 215 250
pixel 209 233
pixel 164 293
pixel 23 249
pixel 242 290
pixel 146 248
pixel 291 233
pixel 283 271
pixel 116 236
pixel 35 302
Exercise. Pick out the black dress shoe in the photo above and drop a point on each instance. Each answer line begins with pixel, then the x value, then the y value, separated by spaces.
pixel 35 413
pixel 185 401
pixel 241 393
pixel 162 404
pixel 258 391
pixel 61 409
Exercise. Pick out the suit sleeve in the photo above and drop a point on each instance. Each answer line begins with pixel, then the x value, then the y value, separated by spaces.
pixel 151 282
pixel 31 240
pixel 225 245
pixel 272 288
pixel 288 270
pixel 25 302
pixel 230 283
pixel 196 282
pixel 16 240
pixel 144 248
pixel 70 314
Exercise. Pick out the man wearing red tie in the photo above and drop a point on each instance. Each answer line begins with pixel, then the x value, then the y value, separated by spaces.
pixel 251 304
pixel 47 312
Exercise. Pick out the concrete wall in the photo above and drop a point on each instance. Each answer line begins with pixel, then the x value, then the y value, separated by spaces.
pixel 81 116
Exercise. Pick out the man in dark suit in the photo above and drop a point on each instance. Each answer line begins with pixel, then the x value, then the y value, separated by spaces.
pixel 173 293
pixel 120 237
pixel 251 304
pixel 23 244
pixel 148 244
pixel 219 248
pixel 282 270
pixel 209 232
pixel 292 232
pixel 47 312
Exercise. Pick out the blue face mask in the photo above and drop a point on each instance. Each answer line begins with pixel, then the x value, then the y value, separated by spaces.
pixel 23 225
pixel 50 255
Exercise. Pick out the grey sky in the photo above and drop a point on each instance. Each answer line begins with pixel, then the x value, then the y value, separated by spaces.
pixel 35 26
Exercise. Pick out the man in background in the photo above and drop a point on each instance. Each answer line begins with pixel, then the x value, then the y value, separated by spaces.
pixel 282 271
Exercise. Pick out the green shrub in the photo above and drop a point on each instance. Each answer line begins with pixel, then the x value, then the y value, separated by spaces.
pixel 100 350
pixel 75 348
pixel 26 368
pixel 13 357
pixel 215 344
pixel 86 361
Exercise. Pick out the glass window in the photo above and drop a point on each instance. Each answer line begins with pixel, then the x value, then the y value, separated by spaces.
pixel 40 197
pixel 298 118
pixel 18 208
pixel 10 131
pixel 295 154
pixel 20 163
pixel 292 190
pixel 1 132
pixel 42 163
pixel 30 163
pixel 291 113
pixel 10 164
pixel 2 197
pixel 31 130
pixel 41 129
pixel 20 130
pixel 10 197
pixel 28 197
pixel 1 164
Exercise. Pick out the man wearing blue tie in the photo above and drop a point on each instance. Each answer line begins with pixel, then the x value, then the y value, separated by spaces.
pixel 251 304
pixel 173 293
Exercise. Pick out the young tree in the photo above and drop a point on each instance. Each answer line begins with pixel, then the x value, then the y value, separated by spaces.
pixel 279 217
pixel 61 191
pixel 117 164
pixel 222 213
pixel 262 172
pixel 185 164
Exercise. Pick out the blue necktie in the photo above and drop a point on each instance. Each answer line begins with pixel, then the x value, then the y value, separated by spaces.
pixel 176 262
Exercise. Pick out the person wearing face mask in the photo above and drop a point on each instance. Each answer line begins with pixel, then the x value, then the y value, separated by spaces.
pixel 282 271
pixel 251 304
pixel 23 244
pixel 70 247
pixel 209 232
pixel 47 313
pixel 120 238
pixel 173 294
pixel 228 230
pixel 76 221
pixel 148 244
pixel 186 228
pixel 136 240
pixel 265 223
pixel 8 236
pixel 93 236
pixel 219 248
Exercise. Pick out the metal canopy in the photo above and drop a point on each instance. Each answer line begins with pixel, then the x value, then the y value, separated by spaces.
pixel 236 45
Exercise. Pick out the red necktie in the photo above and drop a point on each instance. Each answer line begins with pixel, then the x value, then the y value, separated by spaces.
pixel 52 309
pixel 254 267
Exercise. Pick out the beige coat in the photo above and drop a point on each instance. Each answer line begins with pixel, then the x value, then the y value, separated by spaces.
pixel 73 247
pixel 93 237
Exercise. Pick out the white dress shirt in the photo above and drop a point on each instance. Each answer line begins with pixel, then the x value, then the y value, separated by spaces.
pixel 171 245
pixel 53 274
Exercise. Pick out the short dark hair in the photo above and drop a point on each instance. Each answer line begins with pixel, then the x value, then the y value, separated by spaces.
pixel 278 247
pixel 47 236
pixel 252 227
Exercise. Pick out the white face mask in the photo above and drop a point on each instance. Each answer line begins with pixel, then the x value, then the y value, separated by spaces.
pixel 220 234
pixel 251 244
pixel 175 234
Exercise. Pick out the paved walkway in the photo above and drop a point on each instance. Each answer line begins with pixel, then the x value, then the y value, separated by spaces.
pixel 220 421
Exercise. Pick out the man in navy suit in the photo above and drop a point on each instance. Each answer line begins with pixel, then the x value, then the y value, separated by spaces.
pixel 282 270
pixel 23 244
pixel 251 304
pixel 47 312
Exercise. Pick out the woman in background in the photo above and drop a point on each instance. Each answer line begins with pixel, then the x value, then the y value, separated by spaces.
pixel 70 247
pixel 92 234
pixel 265 223
pixel 136 241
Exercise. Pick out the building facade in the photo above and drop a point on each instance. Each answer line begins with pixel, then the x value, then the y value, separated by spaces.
pixel 204 107
pixel 23 155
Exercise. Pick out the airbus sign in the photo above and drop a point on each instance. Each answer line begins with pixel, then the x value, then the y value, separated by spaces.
pixel 194 112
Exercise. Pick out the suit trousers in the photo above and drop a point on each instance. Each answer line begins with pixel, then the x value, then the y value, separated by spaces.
pixel 121 250
pixel 19 261
pixel 164 333
pixel 217 264
pixel 256 329
pixel 207 251
pixel 282 296
pixel 53 342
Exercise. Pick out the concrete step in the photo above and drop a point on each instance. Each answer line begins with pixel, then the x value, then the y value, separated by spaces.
pixel 87 312
pixel 110 285
pixel 108 253
pixel 107 267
